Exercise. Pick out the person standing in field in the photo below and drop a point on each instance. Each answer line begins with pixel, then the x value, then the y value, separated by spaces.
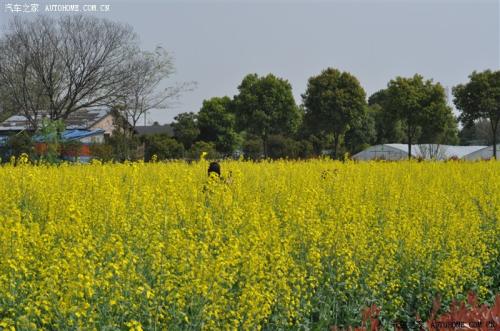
pixel 213 176
pixel 214 168
pixel 215 172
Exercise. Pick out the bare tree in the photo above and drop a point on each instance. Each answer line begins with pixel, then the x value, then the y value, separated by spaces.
pixel 20 88
pixel 432 151
pixel 144 93
pixel 61 66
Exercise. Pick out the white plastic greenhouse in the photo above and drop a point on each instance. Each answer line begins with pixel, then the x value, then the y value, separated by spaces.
pixel 425 151
pixel 482 154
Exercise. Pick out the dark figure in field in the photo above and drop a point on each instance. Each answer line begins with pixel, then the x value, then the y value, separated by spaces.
pixel 214 168
pixel 213 176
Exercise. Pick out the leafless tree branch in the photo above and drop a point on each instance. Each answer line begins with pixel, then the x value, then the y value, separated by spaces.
pixel 60 66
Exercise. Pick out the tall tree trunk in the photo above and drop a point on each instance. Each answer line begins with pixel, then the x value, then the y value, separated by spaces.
pixel 336 145
pixel 409 142
pixel 264 145
pixel 494 127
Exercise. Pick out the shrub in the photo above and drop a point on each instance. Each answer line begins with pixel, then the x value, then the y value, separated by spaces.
pixel 103 152
pixel 200 147
pixel 17 145
pixel 163 147
pixel 252 148
pixel 282 147
pixel 70 149
pixel 125 146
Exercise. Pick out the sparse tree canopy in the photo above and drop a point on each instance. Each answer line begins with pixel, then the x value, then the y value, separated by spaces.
pixel 334 102
pixel 63 65
pixel 143 92
pixel 480 99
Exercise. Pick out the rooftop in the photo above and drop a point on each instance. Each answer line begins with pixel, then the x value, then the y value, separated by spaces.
pixel 81 119
pixel 447 150
pixel 427 151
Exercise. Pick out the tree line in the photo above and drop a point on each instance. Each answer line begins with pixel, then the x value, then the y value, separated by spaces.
pixel 263 119
pixel 54 67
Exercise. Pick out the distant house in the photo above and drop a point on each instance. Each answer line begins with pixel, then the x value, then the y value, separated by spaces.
pixel 156 128
pixel 83 119
pixel 85 126
pixel 85 139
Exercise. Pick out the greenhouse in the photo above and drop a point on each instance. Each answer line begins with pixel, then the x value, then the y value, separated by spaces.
pixel 485 153
pixel 426 151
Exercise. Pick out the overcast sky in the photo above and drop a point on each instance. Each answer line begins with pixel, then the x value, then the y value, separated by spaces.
pixel 216 43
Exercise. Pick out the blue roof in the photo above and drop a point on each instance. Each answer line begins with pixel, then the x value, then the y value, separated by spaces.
pixel 75 134
pixel 79 134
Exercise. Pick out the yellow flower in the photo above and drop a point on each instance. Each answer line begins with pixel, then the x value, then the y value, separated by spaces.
pixel 86 246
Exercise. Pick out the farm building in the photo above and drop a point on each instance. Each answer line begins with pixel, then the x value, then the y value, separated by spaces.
pixel 485 153
pixel 81 150
pixel 85 126
pixel 83 119
pixel 426 151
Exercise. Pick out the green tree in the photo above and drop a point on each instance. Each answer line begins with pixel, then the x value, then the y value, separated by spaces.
pixel 163 147
pixel 125 146
pixel 17 144
pixel 217 123
pixel 202 146
pixel 252 147
pixel 362 133
pixel 305 149
pixel 420 105
pixel 283 147
pixel 388 128
pixel 186 129
pixel 103 152
pixel 477 134
pixel 50 134
pixel 480 99
pixel 334 102
pixel 265 106
pixel 447 135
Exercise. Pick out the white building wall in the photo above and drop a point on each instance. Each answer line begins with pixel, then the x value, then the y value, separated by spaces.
pixel 106 123
pixel 96 139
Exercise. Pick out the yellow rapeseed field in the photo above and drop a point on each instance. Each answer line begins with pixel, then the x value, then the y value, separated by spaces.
pixel 274 245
